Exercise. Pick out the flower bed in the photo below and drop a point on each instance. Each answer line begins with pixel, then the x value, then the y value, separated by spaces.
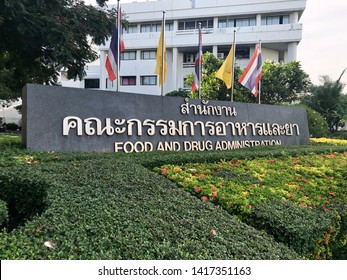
pixel 329 141
pixel 313 181
pixel 308 181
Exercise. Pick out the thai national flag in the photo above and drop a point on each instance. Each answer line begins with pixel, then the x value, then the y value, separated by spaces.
pixel 198 64
pixel 112 56
pixel 251 77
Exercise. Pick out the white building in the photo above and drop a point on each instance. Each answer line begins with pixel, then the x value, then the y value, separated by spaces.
pixel 274 22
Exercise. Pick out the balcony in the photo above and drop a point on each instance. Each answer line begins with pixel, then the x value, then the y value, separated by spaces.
pixel 215 36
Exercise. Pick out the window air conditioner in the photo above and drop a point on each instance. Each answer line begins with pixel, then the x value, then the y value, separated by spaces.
pixel 220 55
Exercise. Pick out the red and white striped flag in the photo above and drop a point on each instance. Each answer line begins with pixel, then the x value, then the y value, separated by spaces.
pixel 252 75
pixel 116 46
pixel 198 64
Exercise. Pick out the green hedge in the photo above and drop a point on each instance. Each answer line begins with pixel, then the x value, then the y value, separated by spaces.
pixel 110 206
pixel 3 213
pixel 339 248
pixel 25 196
pixel 156 159
pixel 317 125
pixel 339 135
pixel 311 233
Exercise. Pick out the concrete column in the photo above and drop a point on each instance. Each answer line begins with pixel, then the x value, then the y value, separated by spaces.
pixel 103 72
pixel 215 50
pixel 215 22
pixel 175 25
pixel 174 68
pixel 292 51
pixel 138 62
pixel 258 20
pixel 294 17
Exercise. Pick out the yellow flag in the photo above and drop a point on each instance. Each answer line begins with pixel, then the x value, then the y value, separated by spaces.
pixel 160 51
pixel 225 71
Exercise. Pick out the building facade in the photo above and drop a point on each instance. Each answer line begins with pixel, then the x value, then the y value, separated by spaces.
pixel 274 22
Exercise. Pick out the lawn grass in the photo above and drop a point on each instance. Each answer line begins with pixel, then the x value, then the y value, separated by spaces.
pixel 110 206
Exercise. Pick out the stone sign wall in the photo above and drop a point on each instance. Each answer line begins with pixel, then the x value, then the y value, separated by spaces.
pixel 70 119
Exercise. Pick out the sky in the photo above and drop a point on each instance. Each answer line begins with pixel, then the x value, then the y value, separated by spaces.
pixel 322 50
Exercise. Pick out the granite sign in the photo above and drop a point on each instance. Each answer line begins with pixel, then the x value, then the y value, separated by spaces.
pixel 70 119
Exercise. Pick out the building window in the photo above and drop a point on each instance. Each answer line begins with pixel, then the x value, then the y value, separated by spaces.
pixel 146 55
pixel 150 27
pixel 274 20
pixel 226 23
pixel 237 22
pixel 155 27
pixel 194 24
pixel 242 53
pixel 240 22
pixel 132 28
pixel 92 83
pixel 189 25
pixel 208 23
pixel 128 81
pixel 146 28
pixel 148 80
pixel 128 55
pixel 169 26
pixel 284 20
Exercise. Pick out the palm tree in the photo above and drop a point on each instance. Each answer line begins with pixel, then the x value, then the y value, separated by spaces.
pixel 328 100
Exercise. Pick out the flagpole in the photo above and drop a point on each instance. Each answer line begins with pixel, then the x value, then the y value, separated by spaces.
pixel 162 56
pixel 119 22
pixel 233 67
pixel 259 91
pixel 200 62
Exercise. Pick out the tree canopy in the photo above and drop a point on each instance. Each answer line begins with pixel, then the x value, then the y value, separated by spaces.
pixel 41 37
pixel 281 83
pixel 328 100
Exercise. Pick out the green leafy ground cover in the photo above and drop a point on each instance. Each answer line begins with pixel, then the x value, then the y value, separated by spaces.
pixel 110 206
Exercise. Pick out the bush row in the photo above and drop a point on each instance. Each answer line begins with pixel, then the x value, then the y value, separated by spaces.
pixel 310 232
pixel 23 195
pixel 157 159
pixel 107 206
pixel 329 141
pixel 340 135
pixel 3 213
pixel 339 248
pixel 113 208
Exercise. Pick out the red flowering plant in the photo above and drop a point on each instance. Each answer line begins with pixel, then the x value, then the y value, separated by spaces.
pixel 308 181
pixel 313 181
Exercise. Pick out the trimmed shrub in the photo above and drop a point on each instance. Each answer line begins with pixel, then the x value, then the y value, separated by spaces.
pixel 317 125
pixel 180 92
pixel 339 248
pixel 25 196
pixel 342 134
pixel 12 127
pixel 3 213
pixel 107 207
pixel 311 233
